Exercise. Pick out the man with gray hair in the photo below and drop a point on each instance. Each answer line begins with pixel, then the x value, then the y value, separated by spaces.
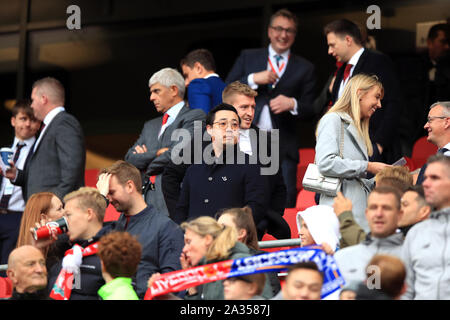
pixel 152 151
pixel 438 127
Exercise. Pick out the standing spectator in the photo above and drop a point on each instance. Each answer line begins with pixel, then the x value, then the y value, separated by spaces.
pixel 225 178
pixel 350 114
pixel 303 282
pixel 345 43
pixel 202 82
pixel 415 208
pixel 383 213
pixel 57 159
pixel 438 128
pixel 27 271
pixel 426 248
pixel 120 254
pixel 161 238
pixel 285 85
pixel 152 151
pixel 12 203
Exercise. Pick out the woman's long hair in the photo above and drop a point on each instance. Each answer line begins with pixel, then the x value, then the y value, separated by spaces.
pixel 224 238
pixel 38 203
pixel 349 103
pixel 243 219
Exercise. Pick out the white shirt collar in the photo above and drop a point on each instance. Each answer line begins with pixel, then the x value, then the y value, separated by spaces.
pixel 174 110
pixel 28 142
pixel 244 132
pixel 211 75
pixel 52 114
pixel 355 58
pixel 273 53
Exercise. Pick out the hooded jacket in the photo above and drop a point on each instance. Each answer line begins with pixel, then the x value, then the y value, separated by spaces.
pixel 426 253
pixel 352 261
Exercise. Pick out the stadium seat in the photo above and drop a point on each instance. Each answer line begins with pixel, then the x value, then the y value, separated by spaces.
pixel 306 157
pixel 6 288
pixel 421 151
pixel 305 199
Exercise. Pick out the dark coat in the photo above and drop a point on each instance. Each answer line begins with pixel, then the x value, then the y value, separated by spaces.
pixel 162 241
pixel 208 188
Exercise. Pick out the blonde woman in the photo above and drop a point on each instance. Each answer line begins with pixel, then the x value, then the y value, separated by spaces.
pixel 360 99
pixel 207 241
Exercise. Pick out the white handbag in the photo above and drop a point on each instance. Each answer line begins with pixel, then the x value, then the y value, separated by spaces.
pixel 314 181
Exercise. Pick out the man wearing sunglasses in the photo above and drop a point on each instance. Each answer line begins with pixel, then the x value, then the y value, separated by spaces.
pixel 226 177
pixel 438 127
pixel 285 85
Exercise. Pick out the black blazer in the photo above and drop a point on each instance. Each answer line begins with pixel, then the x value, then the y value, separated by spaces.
pixel 384 122
pixel 298 81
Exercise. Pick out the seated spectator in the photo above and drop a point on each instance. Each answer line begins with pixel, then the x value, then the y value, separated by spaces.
pixel 249 287
pixel 84 210
pixel 203 84
pixel 385 279
pixel 303 282
pixel 207 241
pixel 394 176
pixel 42 206
pixel 242 220
pixel 120 254
pixel 383 214
pixel 318 225
pixel 161 238
pixel 27 271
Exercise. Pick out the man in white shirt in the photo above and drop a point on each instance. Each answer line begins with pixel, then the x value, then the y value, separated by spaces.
pixel 12 203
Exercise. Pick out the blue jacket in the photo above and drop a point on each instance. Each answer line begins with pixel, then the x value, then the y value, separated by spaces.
pixel 205 94
pixel 162 241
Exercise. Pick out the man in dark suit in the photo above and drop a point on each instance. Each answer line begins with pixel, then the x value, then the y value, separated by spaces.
pixel 346 45
pixel 153 149
pixel 225 178
pixel 12 203
pixel 57 159
pixel 285 85
pixel 203 83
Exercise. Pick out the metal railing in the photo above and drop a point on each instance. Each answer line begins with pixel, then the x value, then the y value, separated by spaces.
pixel 3 267
pixel 279 243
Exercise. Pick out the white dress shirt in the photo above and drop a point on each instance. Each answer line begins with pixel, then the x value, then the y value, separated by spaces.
pixel 244 141
pixel 173 113
pixel 353 61
pixel 47 120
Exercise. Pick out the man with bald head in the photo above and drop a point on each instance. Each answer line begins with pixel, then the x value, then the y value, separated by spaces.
pixel 28 273
pixel 57 159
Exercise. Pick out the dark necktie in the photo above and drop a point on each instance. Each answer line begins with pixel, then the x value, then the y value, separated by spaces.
pixel 5 198
pixel 278 58
pixel 347 69
pixel 442 150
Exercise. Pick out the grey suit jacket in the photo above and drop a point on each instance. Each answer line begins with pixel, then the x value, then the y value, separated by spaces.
pixel 148 162
pixel 57 165
pixel 351 168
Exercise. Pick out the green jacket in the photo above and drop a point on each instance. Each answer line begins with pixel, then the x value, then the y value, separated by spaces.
pixel 118 289
pixel 351 232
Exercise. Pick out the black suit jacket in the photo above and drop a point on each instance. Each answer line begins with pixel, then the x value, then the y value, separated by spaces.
pixel 298 82
pixel 384 122
pixel 57 165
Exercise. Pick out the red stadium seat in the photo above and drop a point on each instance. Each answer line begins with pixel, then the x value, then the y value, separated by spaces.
pixel 305 199
pixel 421 151
pixel 6 288
pixel 306 157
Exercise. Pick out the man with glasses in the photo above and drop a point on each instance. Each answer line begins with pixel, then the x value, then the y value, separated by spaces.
pixel 438 127
pixel 225 178
pixel 285 85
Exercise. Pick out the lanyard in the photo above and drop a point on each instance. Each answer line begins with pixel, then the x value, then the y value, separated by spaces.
pixel 280 69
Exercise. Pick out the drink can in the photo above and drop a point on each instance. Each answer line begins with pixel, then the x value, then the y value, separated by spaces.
pixel 44 232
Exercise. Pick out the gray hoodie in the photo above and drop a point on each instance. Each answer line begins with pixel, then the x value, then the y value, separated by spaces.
pixel 426 253
pixel 352 261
